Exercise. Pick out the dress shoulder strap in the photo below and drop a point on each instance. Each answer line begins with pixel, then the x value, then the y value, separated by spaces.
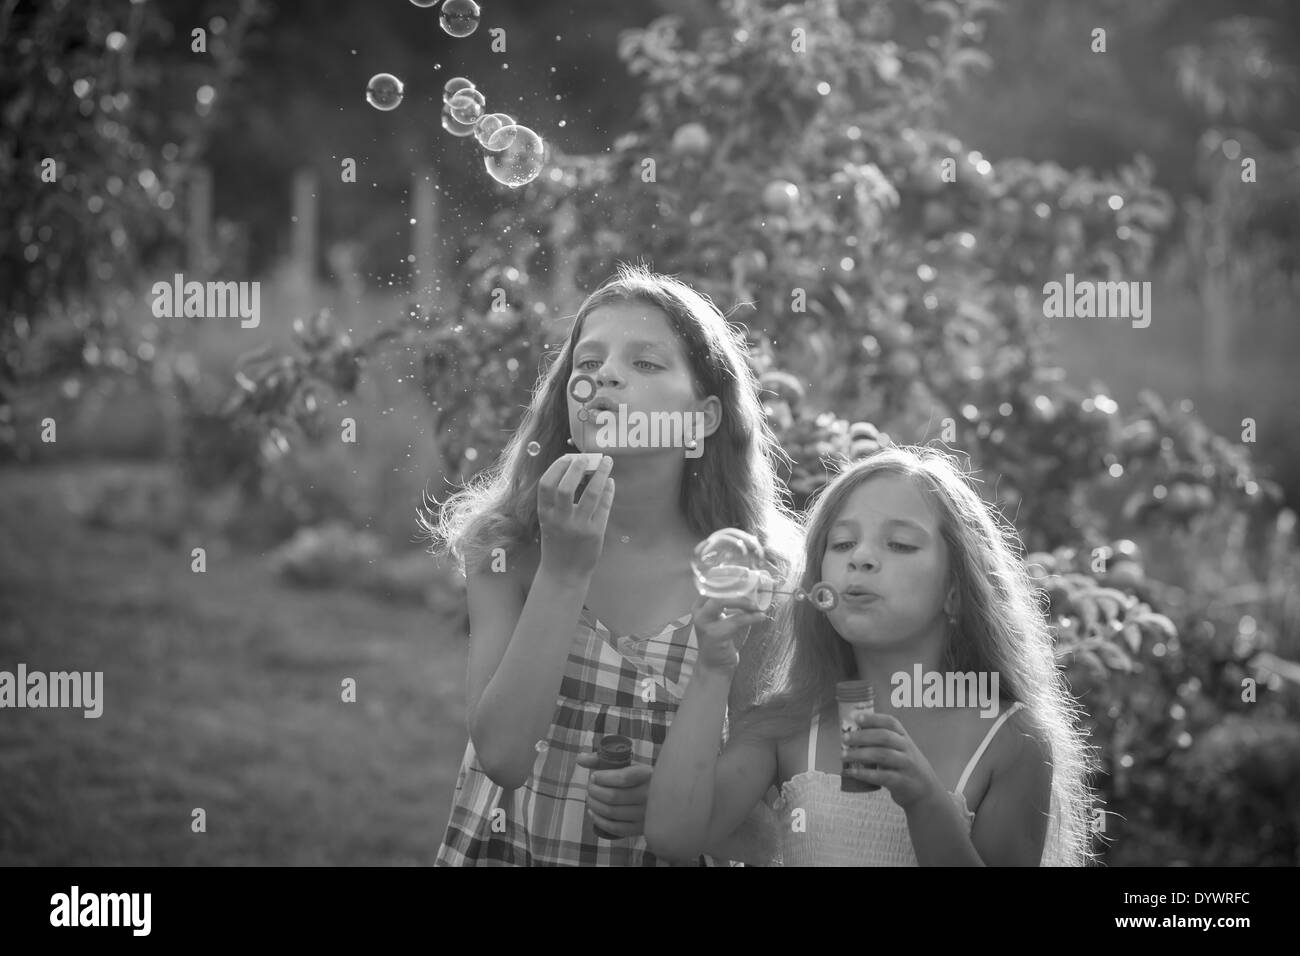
pixel 979 751
pixel 812 741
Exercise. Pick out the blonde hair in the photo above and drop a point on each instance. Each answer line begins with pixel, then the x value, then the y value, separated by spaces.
pixel 1000 627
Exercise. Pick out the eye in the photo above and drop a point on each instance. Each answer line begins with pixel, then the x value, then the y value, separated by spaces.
pixel 648 363
pixel 903 547
pixel 586 363
pixel 842 546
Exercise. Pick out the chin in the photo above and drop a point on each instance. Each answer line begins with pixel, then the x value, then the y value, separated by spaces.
pixel 862 631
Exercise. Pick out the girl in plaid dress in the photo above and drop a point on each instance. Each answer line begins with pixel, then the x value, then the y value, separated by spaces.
pixel 580 598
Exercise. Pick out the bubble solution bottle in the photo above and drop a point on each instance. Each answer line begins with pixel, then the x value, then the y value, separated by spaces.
pixel 614 753
pixel 854 697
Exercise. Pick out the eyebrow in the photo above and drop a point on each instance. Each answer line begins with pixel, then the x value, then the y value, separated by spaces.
pixel 638 345
pixel 906 523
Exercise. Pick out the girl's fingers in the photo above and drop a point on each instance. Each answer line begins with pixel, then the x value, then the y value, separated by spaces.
pixel 868 720
pixel 881 778
pixel 738 622
pixel 874 738
pixel 604 799
pixel 879 756
pixel 716 608
pixel 572 475
pixel 620 830
pixel 594 493
pixel 616 813
pixel 551 477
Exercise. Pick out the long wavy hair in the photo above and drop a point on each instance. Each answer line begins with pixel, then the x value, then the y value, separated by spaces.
pixel 1001 627
pixel 733 484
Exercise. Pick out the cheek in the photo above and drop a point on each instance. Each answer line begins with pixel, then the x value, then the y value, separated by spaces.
pixel 829 566
pixel 930 579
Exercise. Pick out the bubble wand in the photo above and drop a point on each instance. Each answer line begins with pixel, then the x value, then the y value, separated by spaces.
pixel 726 565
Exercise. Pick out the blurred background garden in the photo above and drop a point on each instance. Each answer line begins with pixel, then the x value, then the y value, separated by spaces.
pixel 878 191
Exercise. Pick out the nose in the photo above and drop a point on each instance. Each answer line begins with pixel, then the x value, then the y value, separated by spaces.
pixel 607 374
pixel 862 558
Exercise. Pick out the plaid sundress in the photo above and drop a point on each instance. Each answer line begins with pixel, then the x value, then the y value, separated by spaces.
pixel 630 685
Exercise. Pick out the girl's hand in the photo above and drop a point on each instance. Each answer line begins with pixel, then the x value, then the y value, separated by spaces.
pixel 616 799
pixel 900 767
pixel 718 621
pixel 573 534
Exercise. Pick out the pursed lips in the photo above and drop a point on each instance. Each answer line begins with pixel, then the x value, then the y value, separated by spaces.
pixel 857 594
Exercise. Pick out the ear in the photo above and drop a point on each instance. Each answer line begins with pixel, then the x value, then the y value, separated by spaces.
pixel 712 409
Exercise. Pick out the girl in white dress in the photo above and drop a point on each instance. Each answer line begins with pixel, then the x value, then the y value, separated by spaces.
pixel 927 574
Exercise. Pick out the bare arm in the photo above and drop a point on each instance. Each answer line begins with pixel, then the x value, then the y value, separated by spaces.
pixel 517 655
pixel 519 646
pixel 1011 824
pixel 697 797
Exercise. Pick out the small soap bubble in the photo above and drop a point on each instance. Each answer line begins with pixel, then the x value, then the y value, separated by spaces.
pixel 517 163
pixel 384 91
pixel 454 86
pixel 800 594
pixel 459 17
pixel 467 106
pixel 488 124
pixel 824 597
pixel 583 414
pixel 453 126
pixel 534 449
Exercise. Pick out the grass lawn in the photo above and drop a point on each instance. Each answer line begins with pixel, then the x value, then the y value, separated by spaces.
pixel 221 690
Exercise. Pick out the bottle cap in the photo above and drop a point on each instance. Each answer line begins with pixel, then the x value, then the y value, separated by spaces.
pixel 615 748
pixel 853 691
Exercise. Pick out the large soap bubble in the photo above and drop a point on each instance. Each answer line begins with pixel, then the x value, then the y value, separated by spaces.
pixel 455 85
pixel 515 155
pixel 487 125
pixel 459 18
pixel 467 106
pixel 725 564
pixel 384 92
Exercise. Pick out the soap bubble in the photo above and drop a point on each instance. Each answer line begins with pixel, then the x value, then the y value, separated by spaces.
pixel 455 85
pixel 488 124
pixel 800 594
pixel 726 565
pixel 467 106
pixel 459 17
pixel 519 161
pixel 384 91
pixel 824 597
pixel 534 449
pixel 451 125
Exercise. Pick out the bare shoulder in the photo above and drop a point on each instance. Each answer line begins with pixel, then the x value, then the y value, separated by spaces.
pixel 505 574
pixel 1022 745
